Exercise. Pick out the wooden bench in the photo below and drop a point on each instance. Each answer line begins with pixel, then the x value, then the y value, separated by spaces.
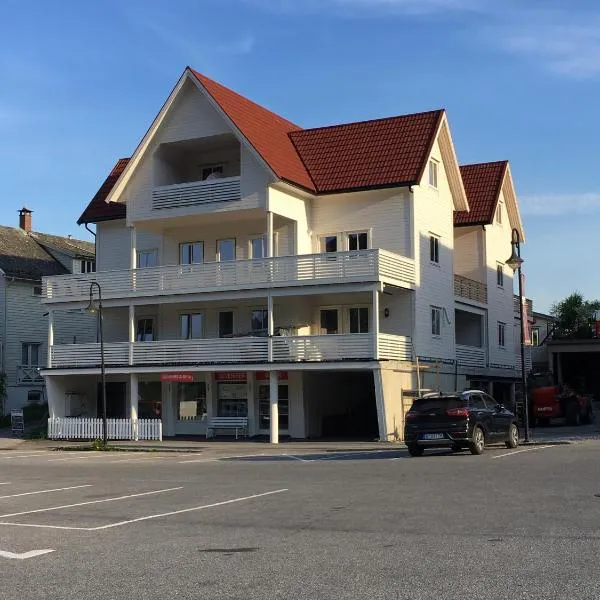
pixel 240 424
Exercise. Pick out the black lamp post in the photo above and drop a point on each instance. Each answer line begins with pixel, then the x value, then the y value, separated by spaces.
pixel 514 262
pixel 95 308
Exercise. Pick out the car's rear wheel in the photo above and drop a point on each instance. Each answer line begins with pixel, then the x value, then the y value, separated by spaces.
pixel 477 445
pixel 415 450
pixel 512 441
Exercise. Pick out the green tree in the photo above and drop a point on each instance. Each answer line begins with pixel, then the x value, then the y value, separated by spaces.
pixel 574 316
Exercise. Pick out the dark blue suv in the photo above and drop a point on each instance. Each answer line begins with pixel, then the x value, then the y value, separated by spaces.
pixel 462 420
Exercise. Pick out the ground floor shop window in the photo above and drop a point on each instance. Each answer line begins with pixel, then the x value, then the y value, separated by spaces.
pixel 233 399
pixel 149 400
pixel 264 406
pixel 191 401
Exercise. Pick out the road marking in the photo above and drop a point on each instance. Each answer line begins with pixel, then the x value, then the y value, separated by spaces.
pixel 19 456
pixel 24 555
pixel 39 510
pixel 71 458
pixel 298 458
pixel 45 526
pixel 523 450
pixel 5 483
pixel 218 458
pixel 74 487
pixel 186 510
pixel 138 459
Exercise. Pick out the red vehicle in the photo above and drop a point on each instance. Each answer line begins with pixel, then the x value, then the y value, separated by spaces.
pixel 550 401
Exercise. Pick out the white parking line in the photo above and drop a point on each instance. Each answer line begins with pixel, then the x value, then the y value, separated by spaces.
pixel 40 510
pixel 523 450
pixel 85 456
pixel 218 458
pixel 74 487
pixel 298 458
pixel 24 555
pixel 137 459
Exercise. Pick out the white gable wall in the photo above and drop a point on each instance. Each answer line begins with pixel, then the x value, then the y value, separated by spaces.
pixel 469 253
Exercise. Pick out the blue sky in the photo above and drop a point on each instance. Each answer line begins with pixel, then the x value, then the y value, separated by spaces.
pixel 81 81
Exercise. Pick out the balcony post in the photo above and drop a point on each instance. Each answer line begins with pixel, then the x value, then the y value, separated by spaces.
pixel 375 325
pixel 133 401
pixel 50 338
pixel 133 239
pixel 269 248
pixel 274 396
pixel 270 327
pixel 131 332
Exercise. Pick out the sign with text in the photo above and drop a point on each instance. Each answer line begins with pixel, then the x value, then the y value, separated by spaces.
pixel 177 377
pixel 264 375
pixel 231 376
pixel 17 421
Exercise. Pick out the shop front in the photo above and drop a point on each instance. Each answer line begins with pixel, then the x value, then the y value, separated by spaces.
pixel 264 404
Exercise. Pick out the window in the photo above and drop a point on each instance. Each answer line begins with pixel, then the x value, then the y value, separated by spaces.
pixel 476 402
pixel 433 173
pixel 191 253
pixel 30 354
pixel 499 213
pixel 259 321
pixel 264 406
pixel 34 397
pixel 212 172
pixel 535 336
pixel 436 320
pixel 258 247
pixel 329 321
pixel 501 332
pixel 500 275
pixel 226 323
pixel 434 249
pixel 490 402
pixel 191 401
pixel 232 400
pixel 191 326
pixel 329 243
pixel 147 259
pixel 226 250
pixel 358 241
pixel 88 266
pixel 145 330
pixel 359 319
pixel 37 290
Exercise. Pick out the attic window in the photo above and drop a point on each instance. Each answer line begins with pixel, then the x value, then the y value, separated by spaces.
pixel 499 213
pixel 88 266
pixel 433 173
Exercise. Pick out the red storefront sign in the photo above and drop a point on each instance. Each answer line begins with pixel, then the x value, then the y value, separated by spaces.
pixel 264 375
pixel 231 376
pixel 177 377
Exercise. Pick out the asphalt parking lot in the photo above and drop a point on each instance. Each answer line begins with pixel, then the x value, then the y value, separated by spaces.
pixel 523 524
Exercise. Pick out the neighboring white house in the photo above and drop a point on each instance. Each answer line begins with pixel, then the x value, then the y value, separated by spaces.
pixel 25 257
pixel 304 277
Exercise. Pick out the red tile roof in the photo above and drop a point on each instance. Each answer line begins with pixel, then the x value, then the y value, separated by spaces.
pixel 264 130
pixel 98 210
pixel 368 154
pixel 483 183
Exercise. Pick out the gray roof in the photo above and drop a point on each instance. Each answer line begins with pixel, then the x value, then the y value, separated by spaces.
pixel 66 245
pixel 24 257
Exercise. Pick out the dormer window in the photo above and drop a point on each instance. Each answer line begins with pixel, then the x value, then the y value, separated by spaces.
pixel 433 173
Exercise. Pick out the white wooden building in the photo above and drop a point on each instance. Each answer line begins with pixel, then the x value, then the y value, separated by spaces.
pixel 313 278
pixel 25 257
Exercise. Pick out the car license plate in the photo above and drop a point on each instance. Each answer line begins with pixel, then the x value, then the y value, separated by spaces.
pixel 432 436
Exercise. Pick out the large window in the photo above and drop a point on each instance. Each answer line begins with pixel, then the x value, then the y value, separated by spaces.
pixel 226 250
pixel 30 354
pixel 226 323
pixel 192 326
pixel 433 173
pixel 329 321
pixel 359 319
pixel 233 399
pixel 264 406
pixel 259 320
pixel 358 241
pixel 436 321
pixel 258 247
pixel 191 401
pixel 434 249
pixel 145 330
pixel 501 334
pixel 191 253
pixel 147 259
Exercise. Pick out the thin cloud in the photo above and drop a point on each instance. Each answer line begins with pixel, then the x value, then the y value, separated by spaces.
pixel 555 205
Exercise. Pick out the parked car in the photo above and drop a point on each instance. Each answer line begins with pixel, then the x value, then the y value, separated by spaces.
pixel 462 420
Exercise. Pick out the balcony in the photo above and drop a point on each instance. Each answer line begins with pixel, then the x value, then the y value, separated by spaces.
pixel 470 289
pixel 300 270
pixel 195 193
pixel 29 375
pixel 244 350
pixel 471 356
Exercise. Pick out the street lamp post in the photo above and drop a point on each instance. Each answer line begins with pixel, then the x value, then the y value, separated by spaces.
pixel 514 262
pixel 95 308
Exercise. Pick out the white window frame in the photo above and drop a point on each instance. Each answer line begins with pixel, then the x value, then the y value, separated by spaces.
pixel 433 171
pixel 35 290
pixel 369 317
pixel 87 265
pixel 29 353
pixel 233 323
pixel 535 336
pixel 254 238
pixel 438 311
pixel 212 169
pixel 189 313
pixel 262 309
pixel 322 244
pixel 191 243
pixel 436 238
pixel 148 252
pixel 500 275
pixel 154 326
pixel 501 334
pixel 218 252
pixel 340 317
pixel 347 235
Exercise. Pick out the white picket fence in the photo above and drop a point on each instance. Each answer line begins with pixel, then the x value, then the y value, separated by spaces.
pixel 81 428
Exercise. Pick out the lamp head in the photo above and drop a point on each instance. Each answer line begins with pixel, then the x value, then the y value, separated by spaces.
pixel 93 307
pixel 515 261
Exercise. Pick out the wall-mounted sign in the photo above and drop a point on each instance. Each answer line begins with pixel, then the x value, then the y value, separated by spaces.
pixel 231 376
pixel 177 377
pixel 264 375
pixel 17 422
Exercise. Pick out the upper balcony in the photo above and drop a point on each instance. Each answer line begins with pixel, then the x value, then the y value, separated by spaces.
pixel 194 193
pixel 264 273
pixel 470 289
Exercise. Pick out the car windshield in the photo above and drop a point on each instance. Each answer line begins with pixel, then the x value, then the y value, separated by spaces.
pixel 437 404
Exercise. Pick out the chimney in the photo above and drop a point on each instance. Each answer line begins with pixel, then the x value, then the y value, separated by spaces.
pixel 25 219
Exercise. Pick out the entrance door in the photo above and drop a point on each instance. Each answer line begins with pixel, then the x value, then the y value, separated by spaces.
pixel 116 400
pixel 264 408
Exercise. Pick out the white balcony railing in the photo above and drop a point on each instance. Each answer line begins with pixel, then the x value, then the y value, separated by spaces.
pixel 281 271
pixel 196 192
pixel 470 356
pixel 242 350
pixel 29 375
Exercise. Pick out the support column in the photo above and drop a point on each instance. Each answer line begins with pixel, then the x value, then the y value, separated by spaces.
pixel 375 326
pixel 131 332
pixel 269 247
pixel 50 338
pixel 133 238
pixel 134 394
pixel 274 394
pixel 270 327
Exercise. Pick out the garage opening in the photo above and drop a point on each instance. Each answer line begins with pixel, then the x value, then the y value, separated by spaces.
pixel 341 405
